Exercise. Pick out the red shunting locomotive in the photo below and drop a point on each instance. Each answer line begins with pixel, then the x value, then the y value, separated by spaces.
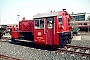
pixel 49 29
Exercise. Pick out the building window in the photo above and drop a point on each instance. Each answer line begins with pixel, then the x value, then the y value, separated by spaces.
pixel 85 23
pixel 81 17
pixel 80 24
pixel 75 18
pixel 78 17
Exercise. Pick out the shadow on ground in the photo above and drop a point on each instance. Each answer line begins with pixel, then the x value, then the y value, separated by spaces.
pixel 32 45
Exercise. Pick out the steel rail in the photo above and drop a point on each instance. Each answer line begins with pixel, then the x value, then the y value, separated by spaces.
pixel 9 58
pixel 75 50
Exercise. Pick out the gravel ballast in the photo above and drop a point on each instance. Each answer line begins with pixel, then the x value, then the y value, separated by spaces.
pixel 28 53
pixel 85 41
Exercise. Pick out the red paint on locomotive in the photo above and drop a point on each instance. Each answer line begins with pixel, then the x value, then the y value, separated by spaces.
pixel 14 34
pixel 26 25
pixel 52 29
pixel 54 34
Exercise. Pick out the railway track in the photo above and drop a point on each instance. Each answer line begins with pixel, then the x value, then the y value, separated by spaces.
pixel 83 51
pixel 3 57
pixel 5 39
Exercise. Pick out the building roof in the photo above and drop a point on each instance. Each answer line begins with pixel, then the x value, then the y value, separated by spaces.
pixel 12 24
pixel 79 13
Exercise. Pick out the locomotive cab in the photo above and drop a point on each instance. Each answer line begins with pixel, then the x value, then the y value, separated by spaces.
pixel 52 28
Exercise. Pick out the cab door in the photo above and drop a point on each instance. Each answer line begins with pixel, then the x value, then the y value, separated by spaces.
pixel 40 31
pixel 50 30
pixel 43 31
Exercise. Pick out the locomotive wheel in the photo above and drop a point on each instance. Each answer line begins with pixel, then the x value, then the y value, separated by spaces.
pixel 69 41
pixel 62 43
pixel 66 42
pixel 13 40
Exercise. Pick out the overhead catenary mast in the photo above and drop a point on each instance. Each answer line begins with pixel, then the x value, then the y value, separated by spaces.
pixel 0 19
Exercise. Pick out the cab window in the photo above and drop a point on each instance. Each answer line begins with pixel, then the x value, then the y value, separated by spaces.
pixel 69 21
pixel 60 20
pixel 39 23
pixel 36 22
pixel 50 22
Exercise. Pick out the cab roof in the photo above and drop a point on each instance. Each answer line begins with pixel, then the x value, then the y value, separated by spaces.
pixel 49 14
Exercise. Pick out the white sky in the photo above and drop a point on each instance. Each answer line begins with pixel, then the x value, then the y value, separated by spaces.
pixel 9 9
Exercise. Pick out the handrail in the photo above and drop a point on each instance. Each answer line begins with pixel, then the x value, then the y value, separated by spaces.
pixel 54 28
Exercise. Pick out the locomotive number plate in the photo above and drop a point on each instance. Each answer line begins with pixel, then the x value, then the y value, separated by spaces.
pixel 39 33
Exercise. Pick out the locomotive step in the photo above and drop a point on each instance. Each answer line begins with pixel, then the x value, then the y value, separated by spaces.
pixel 21 36
pixel 22 40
